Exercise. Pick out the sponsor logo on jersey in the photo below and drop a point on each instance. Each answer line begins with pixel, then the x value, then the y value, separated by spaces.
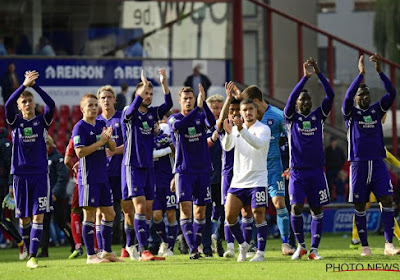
pixel 77 139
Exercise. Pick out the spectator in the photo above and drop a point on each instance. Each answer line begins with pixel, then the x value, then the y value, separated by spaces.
pixel 3 50
pixel 340 185
pixel 121 98
pixel 23 47
pixel 335 159
pixel 197 78
pixel 44 47
pixel 58 175
pixel 9 82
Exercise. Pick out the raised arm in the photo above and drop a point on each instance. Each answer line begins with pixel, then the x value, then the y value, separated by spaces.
pixel 225 108
pixel 11 114
pixel 291 103
pixel 352 90
pixel 329 94
pixel 50 104
pixel 210 119
pixel 388 99
pixel 227 141
pixel 138 98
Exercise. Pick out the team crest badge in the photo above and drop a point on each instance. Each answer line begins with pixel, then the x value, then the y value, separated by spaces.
pixel 150 117
pixel 313 118
pixel 306 125
pixel 191 130
pixel 367 119
pixel 116 124
pixel 198 122
pixel 28 131
pixel 270 122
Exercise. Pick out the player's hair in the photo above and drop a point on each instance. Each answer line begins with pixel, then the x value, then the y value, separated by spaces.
pixel 169 113
pixel 185 89
pixel 248 101
pixel 25 93
pixel 87 96
pixel 214 98
pixel 140 84
pixel 124 86
pixel 50 141
pixel 252 92
pixel 363 87
pixel 305 90
pixel 105 88
pixel 235 101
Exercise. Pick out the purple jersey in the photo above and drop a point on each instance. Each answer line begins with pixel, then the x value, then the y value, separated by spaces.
pixel 305 133
pixel 227 162
pixel 163 164
pixel 93 167
pixel 138 132
pixel 29 145
pixel 227 158
pixel 29 152
pixel 364 127
pixel 114 162
pixel 192 152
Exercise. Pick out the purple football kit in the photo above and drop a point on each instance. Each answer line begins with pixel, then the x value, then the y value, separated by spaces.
pixel 366 152
pixel 307 158
pixel 192 157
pixel 114 162
pixel 138 133
pixel 366 148
pixel 192 166
pixel 29 165
pixel 164 198
pixel 305 135
pixel 94 188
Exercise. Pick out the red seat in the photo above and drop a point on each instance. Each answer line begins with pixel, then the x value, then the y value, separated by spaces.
pixel 2 122
pixel 51 128
pixel 2 112
pixel 64 111
pixel 61 146
pixel 76 114
pixel 63 124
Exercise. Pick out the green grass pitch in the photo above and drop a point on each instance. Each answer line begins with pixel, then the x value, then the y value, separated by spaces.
pixel 334 249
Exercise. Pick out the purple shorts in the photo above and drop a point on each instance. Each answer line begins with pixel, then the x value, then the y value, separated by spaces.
pixel 95 195
pixel 256 197
pixel 226 183
pixel 193 187
pixel 137 182
pixel 32 195
pixel 115 184
pixel 164 199
pixel 366 177
pixel 310 183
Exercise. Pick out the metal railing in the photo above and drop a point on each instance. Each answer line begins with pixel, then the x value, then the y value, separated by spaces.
pixel 331 38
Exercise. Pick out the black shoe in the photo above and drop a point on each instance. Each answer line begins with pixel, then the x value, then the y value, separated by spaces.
pixel 154 249
pixel 43 254
pixel 182 245
pixel 195 256
pixel 208 254
pixel 220 249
